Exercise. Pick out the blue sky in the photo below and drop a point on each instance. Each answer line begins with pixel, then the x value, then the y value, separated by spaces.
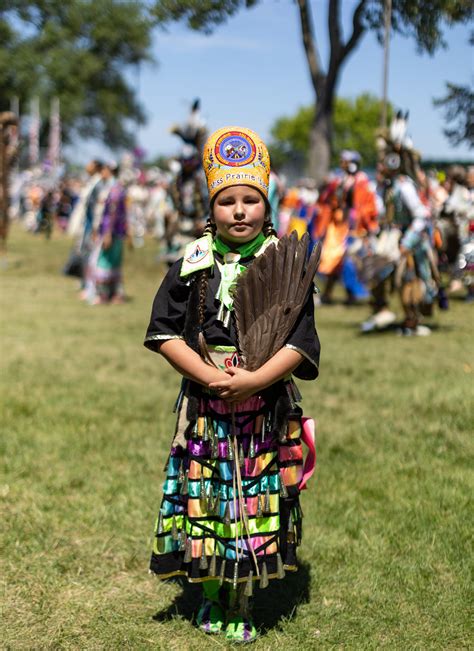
pixel 252 70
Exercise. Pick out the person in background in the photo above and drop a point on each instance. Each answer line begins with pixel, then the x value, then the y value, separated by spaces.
pixel 81 225
pixel 105 283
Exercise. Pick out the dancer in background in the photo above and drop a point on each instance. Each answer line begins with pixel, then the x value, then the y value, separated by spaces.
pixel 105 283
pixel 81 225
pixel 188 188
pixel 352 215
pixel 408 219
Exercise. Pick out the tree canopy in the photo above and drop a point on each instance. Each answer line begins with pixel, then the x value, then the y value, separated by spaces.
pixel 419 19
pixel 355 125
pixel 458 105
pixel 76 51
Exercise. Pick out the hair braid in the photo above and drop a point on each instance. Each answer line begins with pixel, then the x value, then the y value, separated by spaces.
pixel 203 281
pixel 267 228
pixel 209 228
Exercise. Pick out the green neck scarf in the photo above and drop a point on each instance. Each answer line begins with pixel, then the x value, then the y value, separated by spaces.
pixel 231 270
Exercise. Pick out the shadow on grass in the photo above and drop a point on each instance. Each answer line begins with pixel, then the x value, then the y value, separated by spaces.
pixel 278 602
pixel 394 329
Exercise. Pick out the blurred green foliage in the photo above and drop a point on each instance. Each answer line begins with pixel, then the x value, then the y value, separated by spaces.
pixel 79 52
pixel 458 105
pixel 355 125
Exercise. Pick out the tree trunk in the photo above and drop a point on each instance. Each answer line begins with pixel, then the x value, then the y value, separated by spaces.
pixel 319 157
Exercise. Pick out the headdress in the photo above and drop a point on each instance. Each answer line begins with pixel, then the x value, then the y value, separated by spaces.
pixel 193 131
pixel 236 156
pixel 395 147
pixel 350 156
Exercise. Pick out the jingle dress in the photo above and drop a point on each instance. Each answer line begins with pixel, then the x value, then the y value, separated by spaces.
pixel 199 532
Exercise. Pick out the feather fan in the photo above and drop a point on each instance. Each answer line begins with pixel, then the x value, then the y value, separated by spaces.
pixel 270 295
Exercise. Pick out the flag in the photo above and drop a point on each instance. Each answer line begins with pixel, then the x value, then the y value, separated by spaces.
pixel 54 147
pixel 34 131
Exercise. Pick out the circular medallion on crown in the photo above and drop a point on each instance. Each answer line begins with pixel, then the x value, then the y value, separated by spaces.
pixel 235 149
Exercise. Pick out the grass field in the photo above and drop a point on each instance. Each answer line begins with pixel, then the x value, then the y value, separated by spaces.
pixel 86 427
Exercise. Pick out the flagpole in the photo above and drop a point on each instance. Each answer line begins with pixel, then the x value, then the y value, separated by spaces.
pixel 54 149
pixel 386 47
pixel 33 134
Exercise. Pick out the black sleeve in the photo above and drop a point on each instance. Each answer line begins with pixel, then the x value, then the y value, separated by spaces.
pixel 168 313
pixel 304 339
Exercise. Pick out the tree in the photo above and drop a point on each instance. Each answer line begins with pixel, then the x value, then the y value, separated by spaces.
pixel 415 18
pixel 459 113
pixel 355 125
pixel 77 51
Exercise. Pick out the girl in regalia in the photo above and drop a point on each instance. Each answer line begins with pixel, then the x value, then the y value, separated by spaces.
pixel 230 515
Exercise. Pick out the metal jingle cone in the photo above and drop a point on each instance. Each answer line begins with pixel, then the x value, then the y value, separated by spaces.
pixel 252 448
pixel 248 592
pixel 210 501
pixel 283 490
pixel 290 523
pixel 222 572
pixel 280 568
pixel 220 313
pixel 212 433
pixel 182 541
pixel 214 447
pixel 202 485
pixel 205 432
pixel 160 529
pixel 174 530
pixel 184 486
pixel 266 503
pixel 230 449
pixel 181 475
pixel 226 321
pixel 236 575
pixel 291 530
pixel 203 560
pixel 217 505
pixel 160 544
pixel 188 553
pixel 264 428
pixel 227 518
pixel 259 506
pixel 241 457
pixel 269 422
pixel 264 577
pixel 213 564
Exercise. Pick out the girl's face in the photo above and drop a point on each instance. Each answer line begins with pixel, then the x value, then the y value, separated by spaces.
pixel 238 213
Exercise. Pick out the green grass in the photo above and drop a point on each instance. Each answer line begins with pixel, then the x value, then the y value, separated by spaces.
pixel 86 427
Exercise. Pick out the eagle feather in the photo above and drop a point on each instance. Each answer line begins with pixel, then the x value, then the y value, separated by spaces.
pixel 270 295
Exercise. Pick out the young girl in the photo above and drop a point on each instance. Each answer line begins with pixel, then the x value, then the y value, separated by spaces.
pixel 200 531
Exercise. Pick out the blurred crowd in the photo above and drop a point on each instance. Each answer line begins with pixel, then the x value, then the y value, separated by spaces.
pixel 398 230
pixel 369 226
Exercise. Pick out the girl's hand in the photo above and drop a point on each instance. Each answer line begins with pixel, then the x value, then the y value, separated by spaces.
pixel 239 385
